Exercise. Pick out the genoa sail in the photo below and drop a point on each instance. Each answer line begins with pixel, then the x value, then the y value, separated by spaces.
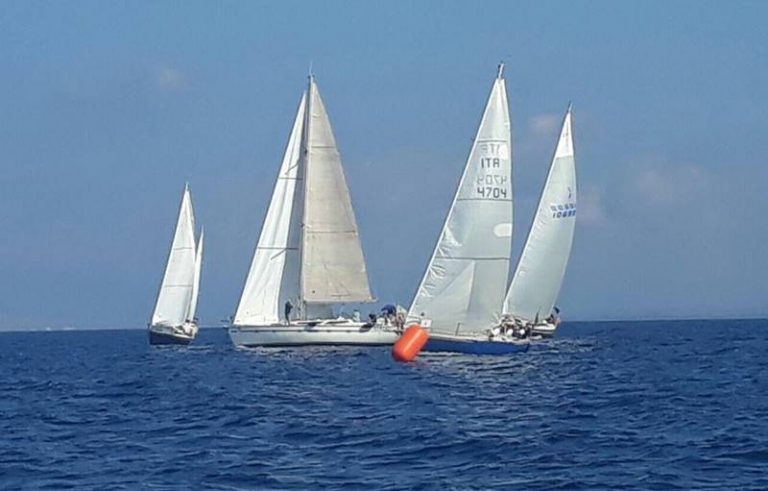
pixel 463 287
pixel 274 274
pixel 176 288
pixel 540 271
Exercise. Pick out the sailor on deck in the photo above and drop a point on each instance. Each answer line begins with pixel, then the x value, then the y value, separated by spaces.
pixel 388 312
pixel 554 317
pixel 288 309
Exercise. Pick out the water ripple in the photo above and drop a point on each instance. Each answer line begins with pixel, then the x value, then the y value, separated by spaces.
pixel 662 405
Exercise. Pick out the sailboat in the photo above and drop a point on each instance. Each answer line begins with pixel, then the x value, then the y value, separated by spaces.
pixel 459 299
pixel 308 257
pixel 173 319
pixel 539 275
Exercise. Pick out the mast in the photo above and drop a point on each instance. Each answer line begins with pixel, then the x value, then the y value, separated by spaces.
pixel 304 157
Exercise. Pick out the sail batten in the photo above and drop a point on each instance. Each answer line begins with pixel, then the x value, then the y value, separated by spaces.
pixel 541 268
pixel 464 284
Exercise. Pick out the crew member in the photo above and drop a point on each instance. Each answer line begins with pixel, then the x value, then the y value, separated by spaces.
pixel 388 312
pixel 288 309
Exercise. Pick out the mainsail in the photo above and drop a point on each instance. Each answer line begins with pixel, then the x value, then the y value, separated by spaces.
pixel 274 275
pixel 541 268
pixel 196 278
pixel 175 294
pixel 463 286
pixel 332 266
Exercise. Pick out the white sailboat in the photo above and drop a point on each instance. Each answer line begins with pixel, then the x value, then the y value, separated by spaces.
pixel 459 299
pixel 173 319
pixel 308 256
pixel 539 275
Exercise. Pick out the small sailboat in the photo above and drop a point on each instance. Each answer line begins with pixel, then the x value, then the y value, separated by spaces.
pixel 459 299
pixel 308 257
pixel 173 320
pixel 539 275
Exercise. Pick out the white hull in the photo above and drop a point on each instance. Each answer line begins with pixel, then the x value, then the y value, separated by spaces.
pixel 545 330
pixel 325 332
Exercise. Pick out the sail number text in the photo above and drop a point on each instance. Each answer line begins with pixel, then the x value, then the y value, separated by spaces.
pixel 490 163
pixel 492 186
pixel 492 181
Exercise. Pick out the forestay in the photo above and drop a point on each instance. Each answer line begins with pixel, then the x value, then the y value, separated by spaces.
pixel 540 271
pixel 463 287
pixel 274 274
pixel 333 267
pixel 175 294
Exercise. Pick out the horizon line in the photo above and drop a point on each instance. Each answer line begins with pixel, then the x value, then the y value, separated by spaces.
pixel 223 326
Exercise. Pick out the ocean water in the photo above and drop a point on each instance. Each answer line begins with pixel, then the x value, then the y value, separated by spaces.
pixel 649 405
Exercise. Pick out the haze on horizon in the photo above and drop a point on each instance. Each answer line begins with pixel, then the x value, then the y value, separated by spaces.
pixel 108 108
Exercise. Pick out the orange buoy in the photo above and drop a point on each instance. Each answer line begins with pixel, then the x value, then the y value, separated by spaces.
pixel 410 343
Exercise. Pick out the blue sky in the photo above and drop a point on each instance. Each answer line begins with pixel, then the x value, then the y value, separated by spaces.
pixel 107 108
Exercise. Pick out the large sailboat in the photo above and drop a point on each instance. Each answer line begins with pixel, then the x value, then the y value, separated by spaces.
pixel 173 320
pixel 308 258
pixel 539 275
pixel 459 299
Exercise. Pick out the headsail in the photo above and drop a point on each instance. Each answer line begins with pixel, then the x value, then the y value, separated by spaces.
pixel 540 271
pixel 274 274
pixel 333 267
pixel 176 288
pixel 196 279
pixel 463 286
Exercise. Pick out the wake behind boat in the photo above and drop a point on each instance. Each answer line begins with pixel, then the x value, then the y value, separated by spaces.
pixel 540 271
pixel 460 297
pixel 173 319
pixel 308 257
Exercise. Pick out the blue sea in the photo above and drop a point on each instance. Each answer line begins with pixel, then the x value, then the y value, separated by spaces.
pixel 626 405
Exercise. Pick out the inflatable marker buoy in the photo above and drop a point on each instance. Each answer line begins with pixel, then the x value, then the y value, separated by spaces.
pixel 410 343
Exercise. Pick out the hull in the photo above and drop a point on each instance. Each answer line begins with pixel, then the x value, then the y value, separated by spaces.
pixel 474 346
pixel 172 335
pixel 321 333
pixel 544 330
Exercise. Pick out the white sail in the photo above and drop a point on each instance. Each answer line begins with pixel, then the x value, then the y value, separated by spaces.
pixel 540 271
pixel 175 294
pixel 274 274
pixel 463 286
pixel 196 279
pixel 333 267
